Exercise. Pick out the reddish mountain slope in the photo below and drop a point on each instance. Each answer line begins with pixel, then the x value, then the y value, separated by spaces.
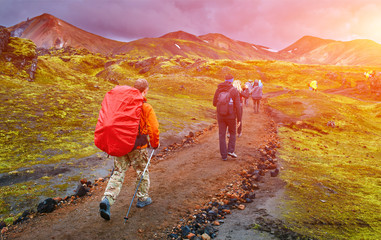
pixel 247 50
pixel 182 35
pixel 170 46
pixel 305 45
pixel 215 46
pixel 48 31
pixel 313 50
pixel 356 52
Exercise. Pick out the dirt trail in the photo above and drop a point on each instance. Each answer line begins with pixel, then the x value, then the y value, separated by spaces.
pixel 185 178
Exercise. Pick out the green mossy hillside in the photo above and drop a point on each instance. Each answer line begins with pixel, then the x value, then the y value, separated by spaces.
pixel 21 48
pixel 16 59
pixel 332 170
pixel 332 174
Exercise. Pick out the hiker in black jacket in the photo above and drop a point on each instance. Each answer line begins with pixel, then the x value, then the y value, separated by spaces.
pixel 227 120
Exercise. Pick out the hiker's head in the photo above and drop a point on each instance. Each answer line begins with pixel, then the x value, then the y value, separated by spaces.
pixel 229 78
pixel 237 85
pixel 256 83
pixel 142 85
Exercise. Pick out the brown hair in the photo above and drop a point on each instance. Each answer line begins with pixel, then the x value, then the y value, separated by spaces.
pixel 141 84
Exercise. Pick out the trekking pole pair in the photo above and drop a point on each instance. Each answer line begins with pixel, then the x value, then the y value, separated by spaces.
pixel 145 169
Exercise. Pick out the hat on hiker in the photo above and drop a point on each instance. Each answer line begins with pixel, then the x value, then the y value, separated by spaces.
pixel 229 78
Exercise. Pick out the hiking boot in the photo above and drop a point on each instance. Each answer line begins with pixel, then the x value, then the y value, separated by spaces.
pixel 141 204
pixel 104 208
pixel 224 159
pixel 239 134
pixel 232 154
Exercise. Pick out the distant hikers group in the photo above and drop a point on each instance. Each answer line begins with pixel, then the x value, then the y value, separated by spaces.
pixel 127 126
pixel 229 99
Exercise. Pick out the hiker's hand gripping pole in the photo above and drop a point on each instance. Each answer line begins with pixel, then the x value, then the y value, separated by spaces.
pixel 145 169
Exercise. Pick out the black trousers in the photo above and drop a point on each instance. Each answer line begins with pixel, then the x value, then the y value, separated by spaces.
pixel 223 124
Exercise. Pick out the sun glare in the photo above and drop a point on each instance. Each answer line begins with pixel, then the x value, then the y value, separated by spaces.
pixel 368 23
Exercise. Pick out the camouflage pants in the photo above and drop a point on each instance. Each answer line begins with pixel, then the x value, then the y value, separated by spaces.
pixel 138 159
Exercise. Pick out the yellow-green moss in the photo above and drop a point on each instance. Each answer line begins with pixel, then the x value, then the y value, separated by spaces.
pixel 332 179
pixel 52 120
pixel 22 47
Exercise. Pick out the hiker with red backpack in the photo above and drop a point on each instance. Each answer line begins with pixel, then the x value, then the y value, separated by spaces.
pixel 227 100
pixel 125 121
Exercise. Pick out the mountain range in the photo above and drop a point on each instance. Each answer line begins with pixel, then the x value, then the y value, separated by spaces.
pixel 48 31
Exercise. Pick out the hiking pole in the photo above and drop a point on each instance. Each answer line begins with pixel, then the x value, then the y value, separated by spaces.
pixel 145 169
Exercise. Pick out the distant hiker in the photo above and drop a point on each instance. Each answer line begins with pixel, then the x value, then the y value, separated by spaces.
pixel 227 100
pixel 243 95
pixel 313 85
pixel 256 95
pixel 260 84
pixel 137 158
pixel 369 75
pixel 249 86
pixel 375 83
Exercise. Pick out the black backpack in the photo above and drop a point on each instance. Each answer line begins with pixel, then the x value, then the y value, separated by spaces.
pixel 223 101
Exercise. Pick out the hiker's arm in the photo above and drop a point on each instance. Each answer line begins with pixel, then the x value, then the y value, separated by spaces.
pixel 152 126
pixel 215 98
pixel 237 105
pixel 245 93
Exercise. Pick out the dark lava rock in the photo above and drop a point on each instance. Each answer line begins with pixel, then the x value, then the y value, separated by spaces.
pixel 20 220
pixel 25 213
pixel 212 215
pixel 173 236
pixel 46 206
pixel 211 231
pixel 2 224
pixel 262 166
pixel 185 230
pixel 274 173
pixel 81 190
pixel 257 177
pixel 251 195
pixel 200 218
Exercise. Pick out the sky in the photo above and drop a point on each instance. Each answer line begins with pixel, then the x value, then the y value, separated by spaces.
pixel 272 23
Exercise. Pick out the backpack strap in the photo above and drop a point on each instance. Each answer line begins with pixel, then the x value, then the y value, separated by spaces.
pixel 230 92
pixel 141 139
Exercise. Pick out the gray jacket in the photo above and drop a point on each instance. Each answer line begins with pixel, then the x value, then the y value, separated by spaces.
pixel 256 93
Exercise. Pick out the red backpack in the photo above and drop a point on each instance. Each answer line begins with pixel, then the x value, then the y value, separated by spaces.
pixel 118 121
